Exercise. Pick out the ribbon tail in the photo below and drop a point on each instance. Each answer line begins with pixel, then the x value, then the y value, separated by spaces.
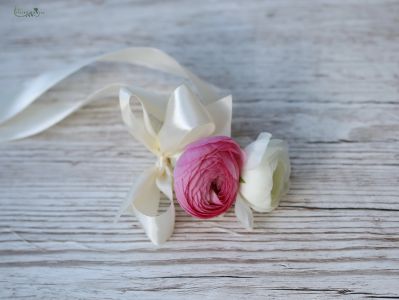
pixel 18 99
pixel 41 116
pixel 22 116
pixel 143 199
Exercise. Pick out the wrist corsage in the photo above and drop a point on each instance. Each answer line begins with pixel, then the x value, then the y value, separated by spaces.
pixel 188 132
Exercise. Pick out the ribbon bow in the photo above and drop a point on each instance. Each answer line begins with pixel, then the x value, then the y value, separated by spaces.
pixel 185 120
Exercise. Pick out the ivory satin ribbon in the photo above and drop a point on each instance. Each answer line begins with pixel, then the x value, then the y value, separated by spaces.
pixel 165 125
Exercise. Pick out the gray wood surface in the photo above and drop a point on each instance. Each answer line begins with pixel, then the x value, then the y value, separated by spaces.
pixel 323 75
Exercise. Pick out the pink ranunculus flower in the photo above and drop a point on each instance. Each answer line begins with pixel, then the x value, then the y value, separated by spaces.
pixel 207 175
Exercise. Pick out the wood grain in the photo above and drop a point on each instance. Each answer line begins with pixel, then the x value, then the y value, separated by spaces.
pixel 324 75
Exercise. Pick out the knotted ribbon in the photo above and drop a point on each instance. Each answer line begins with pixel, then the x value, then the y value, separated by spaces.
pixel 185 120
pixel 164 126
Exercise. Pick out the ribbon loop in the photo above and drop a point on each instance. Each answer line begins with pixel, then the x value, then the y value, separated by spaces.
pixel 139 127
pixel 186 120
pixel 144 198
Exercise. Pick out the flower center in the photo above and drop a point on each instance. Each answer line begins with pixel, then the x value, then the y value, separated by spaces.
pixel 215 187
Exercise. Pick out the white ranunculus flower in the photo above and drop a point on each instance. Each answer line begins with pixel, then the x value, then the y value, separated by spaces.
pixel 265 177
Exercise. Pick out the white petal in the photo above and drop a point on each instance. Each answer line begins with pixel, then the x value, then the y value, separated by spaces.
pixel 243 213
pixel 266 173
pixel 256 150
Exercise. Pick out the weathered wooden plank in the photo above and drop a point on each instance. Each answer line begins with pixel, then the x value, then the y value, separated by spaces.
pixel 322 75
